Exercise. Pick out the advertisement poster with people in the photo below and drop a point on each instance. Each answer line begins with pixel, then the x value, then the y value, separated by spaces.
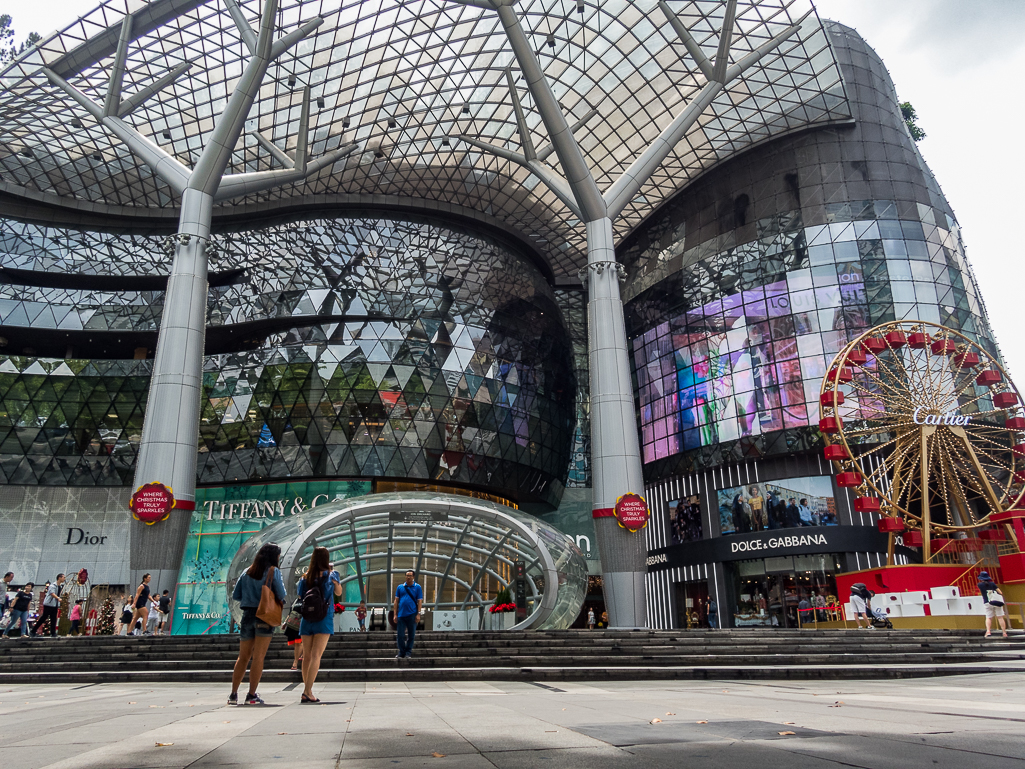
pixel 787 504
pixel 685 520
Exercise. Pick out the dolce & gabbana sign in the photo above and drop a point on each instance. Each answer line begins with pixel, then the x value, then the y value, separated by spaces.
pixel 767 544
pixel 777 543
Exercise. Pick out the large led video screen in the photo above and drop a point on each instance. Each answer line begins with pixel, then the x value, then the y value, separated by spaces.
pixel 744 365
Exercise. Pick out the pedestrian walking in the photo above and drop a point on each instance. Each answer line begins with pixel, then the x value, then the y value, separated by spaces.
pixel 296 642
pixel 859 604
pixel 291 627
pixel 317 589
pixel 254 633
pixel 19 611
pixel 713 614
pixel 127 612
pixel 164 610
pixel 5 602
pixel 591 621
pixel 994 601
pixel 76 617
pixel 51 603
pixel 361 616
pixel 140 606
pixel 153 617
pixel 409 600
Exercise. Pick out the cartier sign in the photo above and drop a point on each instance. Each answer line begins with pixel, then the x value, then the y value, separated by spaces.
pixel 925 416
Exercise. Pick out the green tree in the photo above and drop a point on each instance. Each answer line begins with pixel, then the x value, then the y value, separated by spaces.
pixel 910 120
pixel 8 48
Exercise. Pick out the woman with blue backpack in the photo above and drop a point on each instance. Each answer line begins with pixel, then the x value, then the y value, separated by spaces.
pixel 316 591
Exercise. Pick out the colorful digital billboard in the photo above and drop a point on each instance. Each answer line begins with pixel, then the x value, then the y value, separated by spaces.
pixel 744 365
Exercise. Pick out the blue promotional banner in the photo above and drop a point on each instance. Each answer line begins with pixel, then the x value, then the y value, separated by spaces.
pixel 224 518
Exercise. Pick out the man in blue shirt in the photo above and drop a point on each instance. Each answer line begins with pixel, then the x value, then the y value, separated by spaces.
pixel 409 599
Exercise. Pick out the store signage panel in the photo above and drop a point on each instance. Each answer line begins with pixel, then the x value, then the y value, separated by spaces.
pixel 151 503
pixel 799 541
pixel 224 518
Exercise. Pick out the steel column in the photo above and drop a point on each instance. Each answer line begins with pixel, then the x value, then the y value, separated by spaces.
pixel 615 448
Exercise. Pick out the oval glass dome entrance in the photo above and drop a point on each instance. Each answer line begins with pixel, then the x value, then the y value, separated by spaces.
pixel 464 551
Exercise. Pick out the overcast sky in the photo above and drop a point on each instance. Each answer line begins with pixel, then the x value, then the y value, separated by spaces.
pixel 960 64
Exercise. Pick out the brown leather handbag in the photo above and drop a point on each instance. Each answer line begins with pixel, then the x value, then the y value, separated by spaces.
pixel 269 610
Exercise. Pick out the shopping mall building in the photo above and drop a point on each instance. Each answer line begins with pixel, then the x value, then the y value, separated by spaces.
pixel 540 257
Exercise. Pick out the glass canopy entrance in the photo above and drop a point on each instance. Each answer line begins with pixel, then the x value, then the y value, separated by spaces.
pixel 464 551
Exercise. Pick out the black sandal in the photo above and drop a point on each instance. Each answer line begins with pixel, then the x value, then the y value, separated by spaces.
pixel 305 699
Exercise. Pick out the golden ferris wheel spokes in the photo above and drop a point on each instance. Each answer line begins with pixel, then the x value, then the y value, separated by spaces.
pixel 926 426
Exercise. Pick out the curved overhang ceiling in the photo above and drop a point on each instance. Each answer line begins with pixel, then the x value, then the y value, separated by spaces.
pixel 403 79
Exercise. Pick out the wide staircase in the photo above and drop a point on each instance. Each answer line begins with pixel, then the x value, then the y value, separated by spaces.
pixel 530 656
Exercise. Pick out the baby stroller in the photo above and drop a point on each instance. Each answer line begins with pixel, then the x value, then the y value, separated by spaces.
pixel 879 619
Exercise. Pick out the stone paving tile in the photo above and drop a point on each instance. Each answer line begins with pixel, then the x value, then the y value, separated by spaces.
pixel 976 721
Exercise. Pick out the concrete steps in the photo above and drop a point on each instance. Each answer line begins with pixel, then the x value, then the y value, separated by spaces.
pixel 553 656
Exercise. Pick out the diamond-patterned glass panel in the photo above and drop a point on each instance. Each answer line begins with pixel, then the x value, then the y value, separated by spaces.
pixel 405 350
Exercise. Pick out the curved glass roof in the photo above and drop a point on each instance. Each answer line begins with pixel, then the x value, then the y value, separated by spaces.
pixel 462 550
pixel 401 78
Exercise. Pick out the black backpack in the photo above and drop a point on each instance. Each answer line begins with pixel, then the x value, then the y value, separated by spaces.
pixel 314 607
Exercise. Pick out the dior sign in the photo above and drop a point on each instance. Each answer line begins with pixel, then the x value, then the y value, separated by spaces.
pixel 78 536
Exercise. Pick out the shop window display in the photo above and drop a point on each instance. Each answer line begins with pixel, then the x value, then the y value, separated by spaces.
pixel 786 504
pixel 768 592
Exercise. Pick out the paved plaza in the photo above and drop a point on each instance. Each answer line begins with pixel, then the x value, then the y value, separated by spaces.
pixel 965 721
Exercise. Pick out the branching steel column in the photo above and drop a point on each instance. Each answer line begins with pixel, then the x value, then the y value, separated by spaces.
pixel 615 450
pixel 168 451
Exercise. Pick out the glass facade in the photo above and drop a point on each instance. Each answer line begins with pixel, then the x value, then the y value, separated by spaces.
pixel 740 292
pixel 403 95
pixel 390 348
pixel 729 366
pixel 743 288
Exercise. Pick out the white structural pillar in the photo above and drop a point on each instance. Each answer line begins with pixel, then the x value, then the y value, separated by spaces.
pixel 615 448
pixel 170 432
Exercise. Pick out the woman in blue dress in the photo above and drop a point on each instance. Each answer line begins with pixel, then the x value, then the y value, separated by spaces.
pixel 315 635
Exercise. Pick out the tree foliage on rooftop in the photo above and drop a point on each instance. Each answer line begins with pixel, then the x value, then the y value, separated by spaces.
pixel 910 120
pixel 8 48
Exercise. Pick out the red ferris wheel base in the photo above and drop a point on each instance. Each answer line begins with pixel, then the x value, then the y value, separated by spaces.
pixel 920 578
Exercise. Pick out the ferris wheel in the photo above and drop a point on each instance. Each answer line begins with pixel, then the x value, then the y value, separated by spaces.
pixel 926 426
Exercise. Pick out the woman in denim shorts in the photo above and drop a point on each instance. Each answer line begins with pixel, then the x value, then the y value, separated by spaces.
pixel 254 634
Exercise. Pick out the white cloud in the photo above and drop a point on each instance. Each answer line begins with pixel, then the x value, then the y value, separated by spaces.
pixel 959 64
